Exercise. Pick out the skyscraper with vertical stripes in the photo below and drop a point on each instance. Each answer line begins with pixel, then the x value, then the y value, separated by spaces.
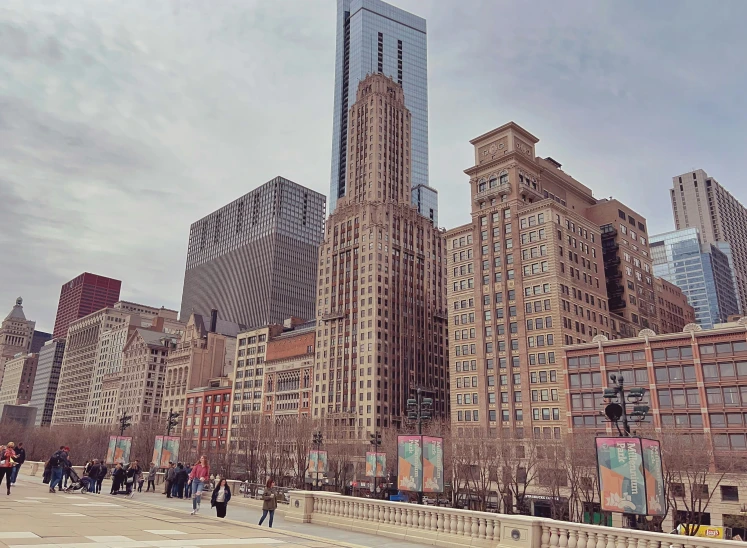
pixel 254 260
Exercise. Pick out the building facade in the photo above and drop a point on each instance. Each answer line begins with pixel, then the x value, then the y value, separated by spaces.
pixel 16 334
pixel 206 351
pixel 254 260
pixel 381 304
pixel 699 201
pixel 45 383
pixel 38 340
pixel 374 37
pixel 627 263
pixel 206 419
pixel 674 310
pixel 18 380
pixel 142 375
pixel 695 382
pixel 289 372
pixel 528 275
pixel 701 270
pixel 81 296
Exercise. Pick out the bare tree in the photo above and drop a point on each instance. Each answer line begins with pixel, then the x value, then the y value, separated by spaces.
pixel 519 469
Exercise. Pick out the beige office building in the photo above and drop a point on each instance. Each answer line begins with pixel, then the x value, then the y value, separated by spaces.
pixel 700 201
pixel 143 373
pixel 381 302
pixel 18 380
pixel 206 351
pixel 527 276
pixel 16 333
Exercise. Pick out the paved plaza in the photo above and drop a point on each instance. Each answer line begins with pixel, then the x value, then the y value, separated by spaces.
pixel 31 516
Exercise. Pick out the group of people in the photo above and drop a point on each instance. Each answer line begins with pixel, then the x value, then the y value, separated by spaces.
pixel 11 459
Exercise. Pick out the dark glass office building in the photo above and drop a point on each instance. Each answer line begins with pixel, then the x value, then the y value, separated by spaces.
pixel 255 260
pixel 45 383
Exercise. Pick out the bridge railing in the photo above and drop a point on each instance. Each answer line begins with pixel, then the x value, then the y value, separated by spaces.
pixel 448 527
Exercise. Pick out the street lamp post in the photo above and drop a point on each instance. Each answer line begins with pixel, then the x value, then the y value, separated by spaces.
pixel 317 440
pixel 419 410
pixel 124 423
pixel 616 409
pixel 375 441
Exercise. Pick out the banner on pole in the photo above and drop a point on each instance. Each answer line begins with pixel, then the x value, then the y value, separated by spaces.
pixel 656 500
pixel 118 450
pixel 622 486
pixel 433 465
pixel 410 463
pixel 170 452
pixel 375 464
pixel 317 464
pixel 157 449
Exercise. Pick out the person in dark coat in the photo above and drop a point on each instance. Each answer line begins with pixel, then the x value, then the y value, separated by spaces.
pixel 220 498
pixel 181 480
pixel 101 476
pixel 59 462
pixel 170 480
pixel 118 478
pixel 20 459
pixel 133 474
pixel 93 475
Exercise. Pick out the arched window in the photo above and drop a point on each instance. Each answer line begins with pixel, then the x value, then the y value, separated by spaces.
pixel 503 176
pixel 493 181
pixel 482 185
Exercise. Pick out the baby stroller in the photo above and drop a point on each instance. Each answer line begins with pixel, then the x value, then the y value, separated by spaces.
pixel 78 485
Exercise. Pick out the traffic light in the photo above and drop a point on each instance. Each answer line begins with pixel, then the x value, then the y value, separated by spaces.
pixel 376 439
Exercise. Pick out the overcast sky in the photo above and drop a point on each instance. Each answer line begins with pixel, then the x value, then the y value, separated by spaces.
pixel 123 122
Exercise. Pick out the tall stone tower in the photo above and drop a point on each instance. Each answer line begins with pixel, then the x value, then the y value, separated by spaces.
pixel 381 303
pixel 16 333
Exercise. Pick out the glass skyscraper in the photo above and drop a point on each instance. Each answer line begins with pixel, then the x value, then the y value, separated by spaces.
pixel 703 272
pixel 374 37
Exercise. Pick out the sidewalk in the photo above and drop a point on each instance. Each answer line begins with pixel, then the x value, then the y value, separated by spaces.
pixel 35 517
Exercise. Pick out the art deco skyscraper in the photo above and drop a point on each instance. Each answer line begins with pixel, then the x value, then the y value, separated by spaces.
pixel 381 287
pixel 699 201
pixel 375 37
pixel 81 296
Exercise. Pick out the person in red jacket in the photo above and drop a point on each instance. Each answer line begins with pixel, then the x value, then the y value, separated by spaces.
pixel 7 462
pixel 199 476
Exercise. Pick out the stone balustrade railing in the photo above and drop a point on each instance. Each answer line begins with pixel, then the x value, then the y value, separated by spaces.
pixel 452 528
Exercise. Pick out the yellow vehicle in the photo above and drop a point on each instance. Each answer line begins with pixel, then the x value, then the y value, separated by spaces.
pixel 709 531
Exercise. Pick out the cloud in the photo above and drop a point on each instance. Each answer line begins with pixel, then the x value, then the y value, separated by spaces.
pixel 123 122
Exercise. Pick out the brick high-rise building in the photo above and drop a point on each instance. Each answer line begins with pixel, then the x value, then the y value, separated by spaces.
pixel 254 260
pixel 700 201
pixel 81 296
pixel 527 276
pixel 674 310
pixel 381 303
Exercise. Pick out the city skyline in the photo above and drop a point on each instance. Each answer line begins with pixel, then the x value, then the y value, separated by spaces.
pixel 106 167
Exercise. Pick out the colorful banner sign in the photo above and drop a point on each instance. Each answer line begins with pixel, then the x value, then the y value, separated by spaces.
pixel 621 479
pixel 410 463
pixel 118 450
pixel 654 472
pixel 317 464
pixel 433 465
pixel 157 449
pixel 375 465
pixel 170 452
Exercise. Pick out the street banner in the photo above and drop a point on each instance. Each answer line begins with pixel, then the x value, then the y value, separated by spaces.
pixel 157 449
pixel 652 467
pixel 622 486
pixel 410 463
pixel 433 465
pixel 170 451
pixel 375 464
pixel 317 464
pixel 118 450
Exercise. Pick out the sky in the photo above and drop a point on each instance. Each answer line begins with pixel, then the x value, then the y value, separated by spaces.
pixel 121 123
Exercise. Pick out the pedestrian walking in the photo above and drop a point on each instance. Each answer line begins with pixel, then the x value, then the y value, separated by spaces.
pixel 170 479
pixel 103 470
pixel 119 476
pixel 181 480
pixel 93 475
pixel 188 487
pixel 20 459
pixel 58 462
pixel 220 498
pixel 152 477
pixel 7 461
pixel 200 474
pixel 270 502
pixel 132 476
